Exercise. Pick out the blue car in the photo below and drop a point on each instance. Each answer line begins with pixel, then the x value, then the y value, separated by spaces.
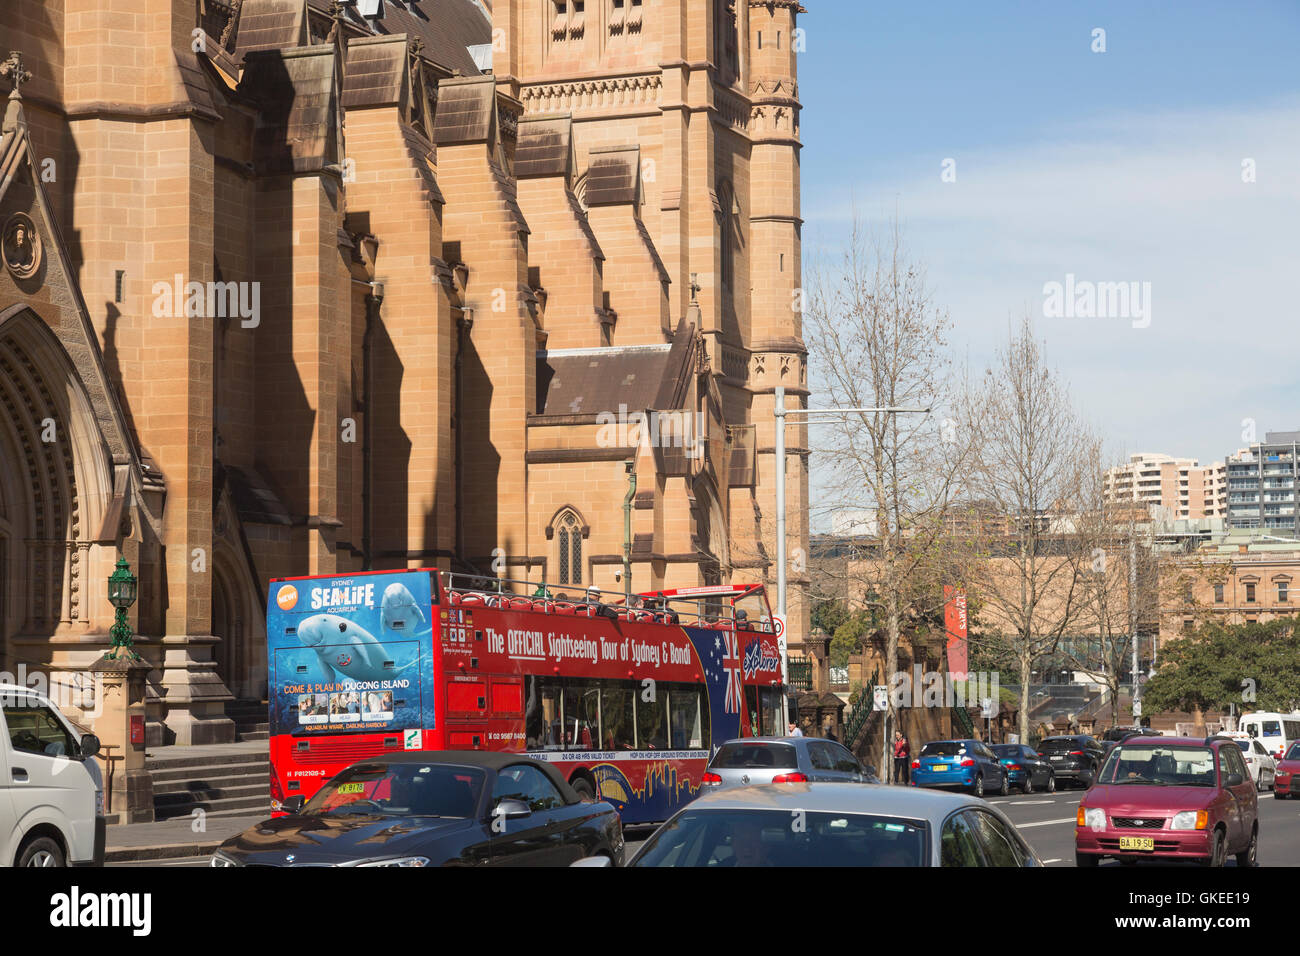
pixel 961 764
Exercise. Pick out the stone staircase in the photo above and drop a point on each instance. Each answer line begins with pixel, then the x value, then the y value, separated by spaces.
pixel 250 717
pixel 220 779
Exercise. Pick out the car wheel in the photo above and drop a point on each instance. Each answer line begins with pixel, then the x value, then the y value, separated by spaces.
pixel 41 852
pixel 1085 860
pixel 583 788
pixel 1259 781
pixel 1006 784
pixel 1051 783
pixel 978 789
pixel 1029 782
pixel 1247 857
pixel 1218 851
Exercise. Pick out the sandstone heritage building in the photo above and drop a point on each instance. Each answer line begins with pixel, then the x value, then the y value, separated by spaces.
pixel 296 287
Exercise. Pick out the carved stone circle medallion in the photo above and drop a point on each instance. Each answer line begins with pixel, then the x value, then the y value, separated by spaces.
pixel 20 245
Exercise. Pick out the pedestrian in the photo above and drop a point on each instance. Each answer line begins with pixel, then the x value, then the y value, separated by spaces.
pixel 902 752
pixel 794 730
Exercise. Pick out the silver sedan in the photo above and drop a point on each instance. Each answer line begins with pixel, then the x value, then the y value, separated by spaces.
pixel 748 761
pixel 835 824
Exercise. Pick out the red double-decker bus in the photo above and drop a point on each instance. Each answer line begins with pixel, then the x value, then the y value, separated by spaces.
pixel 627 700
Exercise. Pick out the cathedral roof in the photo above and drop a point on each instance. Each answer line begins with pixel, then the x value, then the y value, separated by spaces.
pixel 447 28
pixel 591 381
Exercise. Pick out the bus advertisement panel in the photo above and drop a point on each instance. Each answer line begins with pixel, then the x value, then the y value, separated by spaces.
pixel 348 655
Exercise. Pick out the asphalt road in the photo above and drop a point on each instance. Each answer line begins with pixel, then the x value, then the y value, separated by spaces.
pixel 1046 821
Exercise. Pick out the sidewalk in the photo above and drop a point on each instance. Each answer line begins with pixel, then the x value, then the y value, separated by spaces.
pixel 171 839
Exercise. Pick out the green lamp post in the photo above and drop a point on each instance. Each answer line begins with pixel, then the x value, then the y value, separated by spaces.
pixel 122 592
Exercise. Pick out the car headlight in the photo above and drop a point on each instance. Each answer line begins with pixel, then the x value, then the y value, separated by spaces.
pixel 1190 820
pixel 393 861
pixel 1094 818
pixel 220 859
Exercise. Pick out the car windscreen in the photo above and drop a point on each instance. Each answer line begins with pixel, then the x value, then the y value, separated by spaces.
pixel 754 756
pixel 400 790
pixel 1159 765
pixel 1293 753
pixel 1058 745
pixel 1244 745
pixel 734 837
pixel 944 748
pixel 1006 750
pixel 1272 728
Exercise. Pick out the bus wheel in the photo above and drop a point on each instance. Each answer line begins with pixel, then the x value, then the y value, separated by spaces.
pixel 583 788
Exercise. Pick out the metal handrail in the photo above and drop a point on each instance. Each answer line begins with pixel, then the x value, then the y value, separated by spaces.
pixel 545 598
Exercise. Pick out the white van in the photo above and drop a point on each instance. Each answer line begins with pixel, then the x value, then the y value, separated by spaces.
pixel 1277 732
pixel 51 789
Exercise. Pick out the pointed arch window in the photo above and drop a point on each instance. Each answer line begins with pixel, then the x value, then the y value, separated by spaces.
pixel 568 536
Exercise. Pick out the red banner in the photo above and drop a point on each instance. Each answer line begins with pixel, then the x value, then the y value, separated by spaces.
pixel 954 620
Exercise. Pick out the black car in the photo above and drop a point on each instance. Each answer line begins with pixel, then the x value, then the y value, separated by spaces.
pixel 1076 757
pixel 1026 767
pixel 435 808
pixel 1117 735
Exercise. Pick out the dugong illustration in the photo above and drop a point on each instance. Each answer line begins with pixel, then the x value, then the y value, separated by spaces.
pixel 346 648
pixel 398 610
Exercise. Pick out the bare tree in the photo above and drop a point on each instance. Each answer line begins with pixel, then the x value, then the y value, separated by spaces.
pixel 877 340
pixel 1031 457
pixel 1118 572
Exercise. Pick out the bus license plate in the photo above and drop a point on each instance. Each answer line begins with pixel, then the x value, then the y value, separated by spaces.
pixel 939 767
pixel 1137 843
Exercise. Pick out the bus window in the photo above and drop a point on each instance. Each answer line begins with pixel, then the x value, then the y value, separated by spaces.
pixel 1292 729
pixel 689 731
pixel 580 715
pixel 769 712
pixel 652 722
pixel 617 717
pixel 541 714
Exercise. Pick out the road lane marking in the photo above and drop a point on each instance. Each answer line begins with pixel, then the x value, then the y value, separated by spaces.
pixel 1045 823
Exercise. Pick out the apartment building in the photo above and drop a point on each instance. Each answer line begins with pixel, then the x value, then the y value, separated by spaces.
pixel 1180 485
pixel 1262 482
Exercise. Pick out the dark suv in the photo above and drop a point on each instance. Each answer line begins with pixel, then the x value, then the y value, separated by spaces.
pixel 1075 758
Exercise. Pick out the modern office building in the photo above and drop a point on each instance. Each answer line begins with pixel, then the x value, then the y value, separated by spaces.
pixel 1262 482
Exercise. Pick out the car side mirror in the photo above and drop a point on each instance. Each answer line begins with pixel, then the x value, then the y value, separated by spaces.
pixel 512 809
pixel 868 770
pixel 589 861
pixel 293 804
pixel 90 746
pixel 1234 780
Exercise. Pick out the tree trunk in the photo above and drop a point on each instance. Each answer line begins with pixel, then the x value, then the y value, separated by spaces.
pixel 1024 700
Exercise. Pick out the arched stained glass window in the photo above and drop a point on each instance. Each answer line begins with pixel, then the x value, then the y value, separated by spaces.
pixel 569 541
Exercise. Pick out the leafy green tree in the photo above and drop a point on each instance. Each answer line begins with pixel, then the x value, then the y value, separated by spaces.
pixel 829 615
pixel 844 640
pixel 1222 664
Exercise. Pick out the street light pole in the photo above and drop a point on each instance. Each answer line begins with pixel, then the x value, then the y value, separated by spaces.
pixel 826 416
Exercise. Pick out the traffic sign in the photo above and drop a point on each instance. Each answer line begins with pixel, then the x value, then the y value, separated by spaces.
pixel 880 697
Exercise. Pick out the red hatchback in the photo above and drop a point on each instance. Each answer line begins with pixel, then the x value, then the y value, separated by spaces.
pixel 1181 798
pixel 1286 778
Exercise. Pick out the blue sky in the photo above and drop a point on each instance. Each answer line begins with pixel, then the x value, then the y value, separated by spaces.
pixel 1117 166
